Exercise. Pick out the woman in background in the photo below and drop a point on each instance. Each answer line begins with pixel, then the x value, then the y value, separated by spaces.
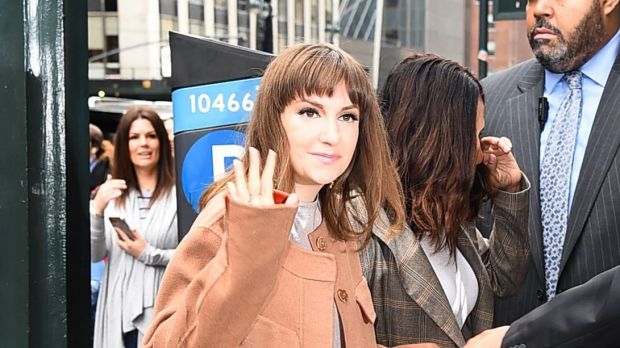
pixel 141 191
pixel 435 282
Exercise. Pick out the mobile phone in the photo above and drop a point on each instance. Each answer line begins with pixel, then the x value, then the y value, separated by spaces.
pixel 121 224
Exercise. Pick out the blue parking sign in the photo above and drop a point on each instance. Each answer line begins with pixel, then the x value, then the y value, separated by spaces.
pixel 207 159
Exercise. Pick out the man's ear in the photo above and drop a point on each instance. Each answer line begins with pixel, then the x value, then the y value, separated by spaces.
pixel 610 6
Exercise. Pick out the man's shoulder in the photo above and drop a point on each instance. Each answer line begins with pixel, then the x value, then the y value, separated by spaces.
pixel 510 74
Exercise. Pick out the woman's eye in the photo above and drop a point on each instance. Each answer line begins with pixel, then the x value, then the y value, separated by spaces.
pixel 349 117
pixel 309 112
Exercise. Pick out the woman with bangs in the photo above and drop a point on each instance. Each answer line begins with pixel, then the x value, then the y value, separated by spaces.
pixel 436 281
pixel 272 259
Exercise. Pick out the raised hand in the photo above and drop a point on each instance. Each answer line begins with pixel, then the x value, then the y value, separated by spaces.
pixel 257 189
pixel 497 156
pixel 109 190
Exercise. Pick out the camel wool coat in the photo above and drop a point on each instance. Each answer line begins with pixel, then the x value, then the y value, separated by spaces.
pixel 237 280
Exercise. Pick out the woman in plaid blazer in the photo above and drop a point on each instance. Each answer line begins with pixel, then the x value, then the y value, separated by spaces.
pixel 435 282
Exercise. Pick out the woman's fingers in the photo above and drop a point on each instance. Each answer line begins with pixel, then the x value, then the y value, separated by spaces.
pixel 120 234
pixel 232 191
pixel 257 189
pixel 505 144
pixel 254 181
pixel 267 178
pixel 240 182
pixel 496 146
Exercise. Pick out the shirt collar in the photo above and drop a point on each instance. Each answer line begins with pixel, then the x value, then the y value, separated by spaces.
pixel 596 69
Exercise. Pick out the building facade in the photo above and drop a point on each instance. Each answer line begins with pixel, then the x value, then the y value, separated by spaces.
pixel 128 40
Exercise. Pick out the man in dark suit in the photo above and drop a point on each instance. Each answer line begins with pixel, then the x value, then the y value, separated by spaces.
pixel 584 316
pixel 562 111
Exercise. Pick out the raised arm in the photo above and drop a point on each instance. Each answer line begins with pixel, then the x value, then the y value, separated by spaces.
pixel 505 254
pixel 224 271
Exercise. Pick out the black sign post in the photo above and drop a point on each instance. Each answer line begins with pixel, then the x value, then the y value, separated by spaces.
pixel 214 86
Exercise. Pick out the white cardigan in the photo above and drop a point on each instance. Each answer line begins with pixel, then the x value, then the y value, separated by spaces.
pixel 129 285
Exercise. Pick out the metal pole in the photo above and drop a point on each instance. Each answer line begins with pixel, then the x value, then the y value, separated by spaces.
pixel 253 8
pixel 376 51
pixel 44 247
pixel 483 38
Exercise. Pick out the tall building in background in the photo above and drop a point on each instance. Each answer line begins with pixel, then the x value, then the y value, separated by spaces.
pixel 408 26
pixel 507 44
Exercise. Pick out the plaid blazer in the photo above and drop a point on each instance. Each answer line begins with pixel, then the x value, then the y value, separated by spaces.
pixel 410 303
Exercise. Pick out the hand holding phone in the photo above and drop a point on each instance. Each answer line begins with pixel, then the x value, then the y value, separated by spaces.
pixel 122 225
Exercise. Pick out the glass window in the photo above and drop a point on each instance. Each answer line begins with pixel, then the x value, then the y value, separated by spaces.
pixel 196 11
pixel 168 7
pixel 221 16
pixel 243 5
pixel 111 43
pixel 111 5
pixel 314 20
pixel 94 5
pixel 243 17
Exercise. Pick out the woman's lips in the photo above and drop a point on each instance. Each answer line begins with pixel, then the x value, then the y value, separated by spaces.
pixel 326 158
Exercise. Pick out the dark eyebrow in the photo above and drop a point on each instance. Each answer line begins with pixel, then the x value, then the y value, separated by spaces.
pixel 320 106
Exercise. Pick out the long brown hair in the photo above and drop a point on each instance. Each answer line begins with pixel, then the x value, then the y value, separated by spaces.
pixel 430 107
pixel 316 69
pixel 124 168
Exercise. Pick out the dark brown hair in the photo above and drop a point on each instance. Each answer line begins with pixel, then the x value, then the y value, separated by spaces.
pixel 430 108
pixel 96 139
pixel 123 167
pixel 316 69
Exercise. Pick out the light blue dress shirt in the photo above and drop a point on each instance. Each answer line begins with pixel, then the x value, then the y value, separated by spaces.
pixel 595 74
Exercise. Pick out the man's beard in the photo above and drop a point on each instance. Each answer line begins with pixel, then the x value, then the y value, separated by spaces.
pixel 567 54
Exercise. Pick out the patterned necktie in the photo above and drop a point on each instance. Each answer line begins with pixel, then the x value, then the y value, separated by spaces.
pixel 555 179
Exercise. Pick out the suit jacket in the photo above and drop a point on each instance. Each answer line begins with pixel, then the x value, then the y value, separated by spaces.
pixel 409 300
pixel 592 240
pixel 584 316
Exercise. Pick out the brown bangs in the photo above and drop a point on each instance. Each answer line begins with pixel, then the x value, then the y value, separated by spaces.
pixel 317 73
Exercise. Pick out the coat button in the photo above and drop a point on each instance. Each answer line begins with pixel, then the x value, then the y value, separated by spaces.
pixel 540 294
pixel 321 244
pixel 342 295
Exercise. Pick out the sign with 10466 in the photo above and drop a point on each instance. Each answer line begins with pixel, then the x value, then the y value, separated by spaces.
pixel 208 126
